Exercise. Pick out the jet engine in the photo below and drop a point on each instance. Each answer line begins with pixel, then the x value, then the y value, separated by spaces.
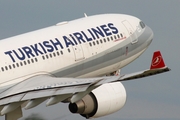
pixel 104 100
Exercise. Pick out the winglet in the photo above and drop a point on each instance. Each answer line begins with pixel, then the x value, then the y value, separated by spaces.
pixel 157 61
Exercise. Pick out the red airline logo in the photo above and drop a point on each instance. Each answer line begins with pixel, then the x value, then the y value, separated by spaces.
pixel 156 61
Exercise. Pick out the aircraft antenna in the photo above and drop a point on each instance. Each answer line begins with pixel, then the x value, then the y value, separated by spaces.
pixel 85 15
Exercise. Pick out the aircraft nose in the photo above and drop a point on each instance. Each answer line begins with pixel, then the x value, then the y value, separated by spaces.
pixel 149 34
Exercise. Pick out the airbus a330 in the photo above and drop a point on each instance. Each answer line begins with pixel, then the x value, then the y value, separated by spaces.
pixel 76 62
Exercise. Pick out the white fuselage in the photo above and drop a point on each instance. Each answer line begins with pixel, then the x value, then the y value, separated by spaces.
pixel 86 47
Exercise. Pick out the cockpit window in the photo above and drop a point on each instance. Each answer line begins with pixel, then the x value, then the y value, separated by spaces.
pixel 142 24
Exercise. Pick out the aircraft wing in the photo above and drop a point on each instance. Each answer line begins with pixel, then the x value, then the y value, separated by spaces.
pixel 46 86
pixel 35 90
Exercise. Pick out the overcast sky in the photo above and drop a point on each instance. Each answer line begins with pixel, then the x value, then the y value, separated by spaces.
pixel 153 98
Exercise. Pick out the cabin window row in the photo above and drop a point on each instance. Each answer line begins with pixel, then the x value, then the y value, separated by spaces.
pixel 54 54
pixel 106 39
pixel 16 65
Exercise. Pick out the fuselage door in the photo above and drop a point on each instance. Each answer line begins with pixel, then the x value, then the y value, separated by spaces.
pixel 131 31
pixel 78 52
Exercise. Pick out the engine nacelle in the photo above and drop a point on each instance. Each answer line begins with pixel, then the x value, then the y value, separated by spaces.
pixel 104 100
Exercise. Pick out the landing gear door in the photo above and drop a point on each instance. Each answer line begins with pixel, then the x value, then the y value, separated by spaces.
pixel 130 30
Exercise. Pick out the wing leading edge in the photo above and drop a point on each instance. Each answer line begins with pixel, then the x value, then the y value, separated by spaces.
pixel 36 90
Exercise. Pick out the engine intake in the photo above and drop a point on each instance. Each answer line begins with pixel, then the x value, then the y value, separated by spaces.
pixel 87 106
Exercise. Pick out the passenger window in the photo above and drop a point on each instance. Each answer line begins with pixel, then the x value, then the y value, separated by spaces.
pixel 24 62
pixel 2 68
pixel 90 44
pixel 21 64
pixel 54 54
pixel 28 61
pixel 10 67
pixel 104 40
pixel 13 65
pixel 32 60
pixel 17 64
pixel 118 36
pixel 47 56
pixel 36 59
pixel 94 43
pixel 57 53
pixel 61 52
pixel 121 35
pixel 6 67
pixel 68 50
pixel 50 55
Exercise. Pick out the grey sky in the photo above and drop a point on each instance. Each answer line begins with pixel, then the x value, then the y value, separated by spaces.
pixel 153 98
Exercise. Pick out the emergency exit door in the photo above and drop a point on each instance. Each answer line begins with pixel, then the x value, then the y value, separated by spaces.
pixel 78 52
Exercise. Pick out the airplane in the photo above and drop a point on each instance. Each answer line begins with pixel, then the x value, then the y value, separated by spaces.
pixel 76 62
